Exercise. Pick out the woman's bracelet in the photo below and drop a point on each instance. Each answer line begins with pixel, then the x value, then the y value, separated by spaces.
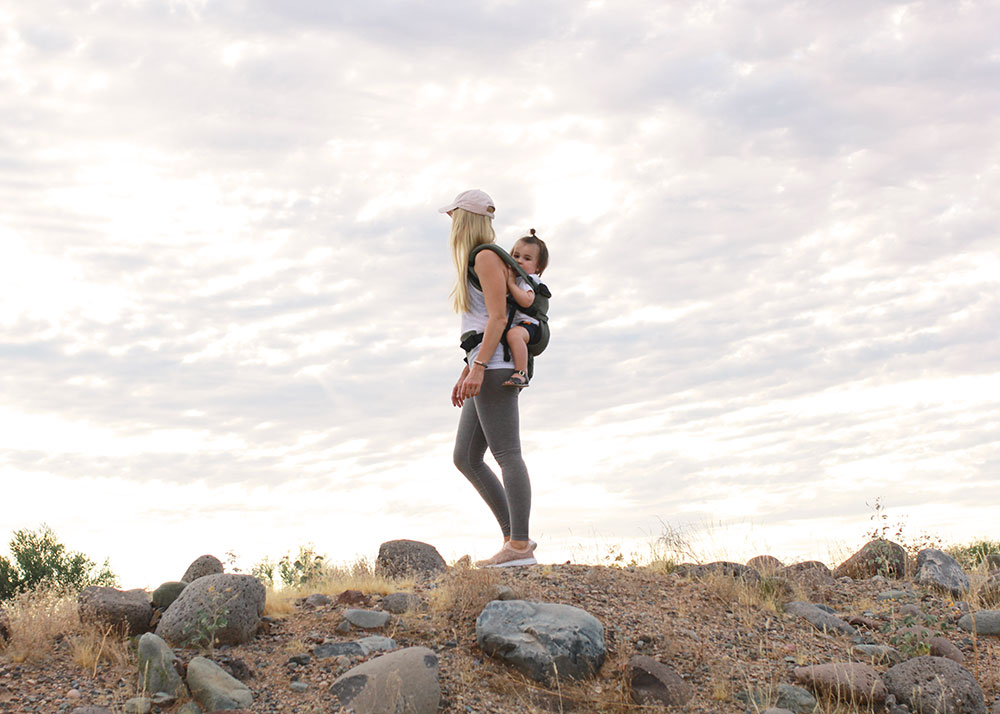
pixel 481 364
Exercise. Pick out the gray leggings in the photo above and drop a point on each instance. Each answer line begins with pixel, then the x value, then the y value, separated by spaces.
pixel 491 419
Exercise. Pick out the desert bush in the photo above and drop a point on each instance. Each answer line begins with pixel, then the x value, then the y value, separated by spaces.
pixel 96 643
pixel 40 559
pixel 972 555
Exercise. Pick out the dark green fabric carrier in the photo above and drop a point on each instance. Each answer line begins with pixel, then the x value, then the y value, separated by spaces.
pixel 539 309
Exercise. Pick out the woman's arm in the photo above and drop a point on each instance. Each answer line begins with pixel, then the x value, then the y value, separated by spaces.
pixel 491 271
pixel 456 392
pixel 522 297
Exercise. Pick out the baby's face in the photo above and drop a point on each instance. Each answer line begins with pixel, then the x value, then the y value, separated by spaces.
pixel 526 256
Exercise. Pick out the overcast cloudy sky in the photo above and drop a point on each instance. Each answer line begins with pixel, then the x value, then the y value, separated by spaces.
pixel 224 317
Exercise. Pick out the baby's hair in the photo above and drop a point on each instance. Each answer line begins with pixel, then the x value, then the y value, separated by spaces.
pixel 543 251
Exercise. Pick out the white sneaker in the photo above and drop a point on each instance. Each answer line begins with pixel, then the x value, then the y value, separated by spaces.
pixel 509 557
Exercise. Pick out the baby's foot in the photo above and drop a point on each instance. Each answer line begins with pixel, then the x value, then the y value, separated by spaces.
pixel 519 379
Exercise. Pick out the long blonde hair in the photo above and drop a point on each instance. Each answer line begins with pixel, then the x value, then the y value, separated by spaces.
pixel 467 231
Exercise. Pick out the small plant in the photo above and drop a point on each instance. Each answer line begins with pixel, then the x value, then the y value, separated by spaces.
pixel 40 559
pixel 201 633
pixel 308 567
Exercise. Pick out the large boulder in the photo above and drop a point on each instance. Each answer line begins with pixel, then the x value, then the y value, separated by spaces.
pixel 201 566
pixel 405 681
pixel 935 685
pixel 765 564
pixel 989 593
pixel 877 557
pixel 852 682
pixel 402 558
pixel 156 667
pixel 127 610
pixel 939 570
pixel 652 682
pixel 226 607
pixel 214 688
pixel 723 568
pixel 543 640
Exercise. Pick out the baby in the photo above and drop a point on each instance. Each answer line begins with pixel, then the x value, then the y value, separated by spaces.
pixel 532 255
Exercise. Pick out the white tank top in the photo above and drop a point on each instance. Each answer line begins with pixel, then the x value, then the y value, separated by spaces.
pixel 475 319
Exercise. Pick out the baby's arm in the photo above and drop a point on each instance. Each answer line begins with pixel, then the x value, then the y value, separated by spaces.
pixel 522 297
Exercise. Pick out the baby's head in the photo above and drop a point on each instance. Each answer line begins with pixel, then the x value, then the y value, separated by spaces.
pixel 530 253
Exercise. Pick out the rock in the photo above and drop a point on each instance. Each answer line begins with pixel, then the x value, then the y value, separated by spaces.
pixel 724 568
pixel 317 600
pixel 942 647
pixel 820 619
pixel 542 639
pixel 367 619
pixel 861 621
pixel 778 711
pixel 202 566
pixel 398 603
pixel 156 667
pixel 503 592
pixel 164 595
pixel 405 681
pixel 213 688
pixel 910 609
pixel 190 708
pixel 984 622
pixel 227 606
pixel 878 557
pixel 852 682
pixel 655 683
pixel 993 561
pixel 299 687
pixel 765 564
pixel 895 595
pixel 939 570
pixel 806 566
pixel 789 698
pixel 878 654
pixel 935 685
pixel 399 558
pixel 128 610
pixel 338 649
pixel 4 625
pixel 138 705
pixel 376 643
pixel 353 597
pixel 91 710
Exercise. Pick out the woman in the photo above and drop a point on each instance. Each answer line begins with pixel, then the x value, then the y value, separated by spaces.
pixel 489 411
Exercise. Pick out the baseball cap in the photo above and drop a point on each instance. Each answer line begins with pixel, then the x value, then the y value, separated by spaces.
pixel 473 201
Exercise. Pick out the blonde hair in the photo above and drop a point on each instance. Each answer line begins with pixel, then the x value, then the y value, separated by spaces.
pixel 467 231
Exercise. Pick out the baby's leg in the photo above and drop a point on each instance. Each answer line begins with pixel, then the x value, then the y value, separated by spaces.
pixel 517 340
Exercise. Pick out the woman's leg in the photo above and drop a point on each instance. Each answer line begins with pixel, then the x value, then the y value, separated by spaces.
pixel 470 446
pixel 499 423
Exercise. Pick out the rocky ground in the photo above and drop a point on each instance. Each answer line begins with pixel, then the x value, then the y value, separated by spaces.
pixel 726 636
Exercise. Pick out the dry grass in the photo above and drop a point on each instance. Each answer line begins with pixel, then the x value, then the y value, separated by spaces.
pixel 38 619
pixel 464 593
pixel 94 644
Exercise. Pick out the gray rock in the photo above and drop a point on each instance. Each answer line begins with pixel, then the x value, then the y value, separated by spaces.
pixel 338 649
pixel 91 710
pixel 398 603
pixel 376 643
pixel 202 566
pixel 993 561
pixel 984 622
pixel 877 557
pixel 878 654
pixel 806 566
pixel 404 682
pixel 299 687
pixel 190 708
pixel 400 558
pixel 939 570
pixel 989 593
pixel 852 682
pixel 935 685
pixel 789 698
pixel 900 595
pixel 820 619
pixel 542 639
pixel 654 683
pixel 156 667
pixel 128 610
pixel 367 619
pixel 504 592
pixel 165 595
pixel 226 606
pixel 774 710
pixel 317 600
pixel 138 705
pixel 214 688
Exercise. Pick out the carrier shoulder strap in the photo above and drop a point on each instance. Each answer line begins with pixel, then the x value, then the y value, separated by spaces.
pixel 504 256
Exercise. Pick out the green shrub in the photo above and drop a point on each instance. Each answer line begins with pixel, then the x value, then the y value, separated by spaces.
pixel 971 555
pixel 39 558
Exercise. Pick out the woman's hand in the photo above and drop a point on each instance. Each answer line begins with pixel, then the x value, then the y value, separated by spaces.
pixel 456 392
pixel 471 385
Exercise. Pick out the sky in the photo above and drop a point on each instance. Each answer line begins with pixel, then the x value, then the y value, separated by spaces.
pixel 225 323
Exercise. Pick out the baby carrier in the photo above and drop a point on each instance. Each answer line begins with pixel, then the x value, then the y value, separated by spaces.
pixel 538 309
